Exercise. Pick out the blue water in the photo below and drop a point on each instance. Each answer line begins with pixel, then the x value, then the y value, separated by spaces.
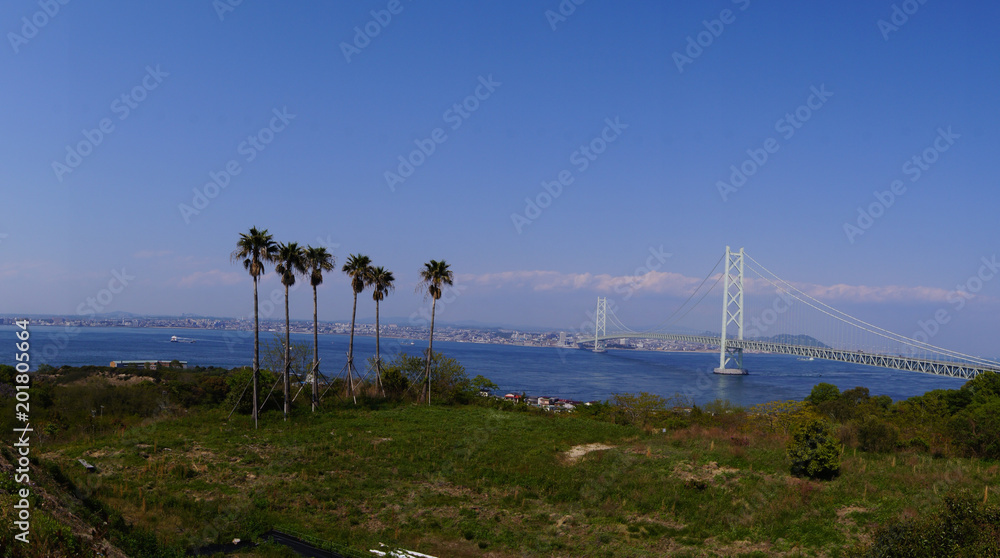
pixel 569 373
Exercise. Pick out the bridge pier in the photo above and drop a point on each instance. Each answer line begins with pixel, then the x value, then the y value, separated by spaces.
pixel 731 358
pixel 600 328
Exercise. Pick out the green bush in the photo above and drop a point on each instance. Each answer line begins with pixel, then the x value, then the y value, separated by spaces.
pixel 239 385
pixel 964 528
pixel 977 429
pixel 823 392
pixel 637 409
pixel 815 451
pixel 877 435
pixel 449 382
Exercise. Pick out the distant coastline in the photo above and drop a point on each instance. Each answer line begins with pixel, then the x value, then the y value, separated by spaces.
pixel 552 339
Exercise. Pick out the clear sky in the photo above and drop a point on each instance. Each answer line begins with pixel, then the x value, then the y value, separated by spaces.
pixel 117 115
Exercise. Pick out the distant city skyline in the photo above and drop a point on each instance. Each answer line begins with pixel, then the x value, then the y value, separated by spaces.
pixel 550 152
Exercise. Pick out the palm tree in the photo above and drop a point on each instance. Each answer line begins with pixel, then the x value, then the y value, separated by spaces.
pixel 382 284
pixel 291 262
pixel 255 249
pixel 433 277
pixel 318 260
pixel 358 268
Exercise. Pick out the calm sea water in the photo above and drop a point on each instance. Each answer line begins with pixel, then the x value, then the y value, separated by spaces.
pixel 570 373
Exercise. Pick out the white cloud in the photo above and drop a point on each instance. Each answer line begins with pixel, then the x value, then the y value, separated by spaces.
pixel 675 284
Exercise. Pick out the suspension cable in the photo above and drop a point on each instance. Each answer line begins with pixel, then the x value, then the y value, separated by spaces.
pixel 861 324
pixel 667 321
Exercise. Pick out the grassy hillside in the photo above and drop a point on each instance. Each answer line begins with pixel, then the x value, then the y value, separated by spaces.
pixel 461 481
pixel 628 478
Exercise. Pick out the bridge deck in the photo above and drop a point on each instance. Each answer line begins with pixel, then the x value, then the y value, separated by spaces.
pixel 896 362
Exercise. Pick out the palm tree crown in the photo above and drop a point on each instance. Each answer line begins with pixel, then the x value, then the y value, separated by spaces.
pixel 317 261
pixel 291 262
pixel 381 281
pixel 254 249
pixel 434 277
pixel 358 267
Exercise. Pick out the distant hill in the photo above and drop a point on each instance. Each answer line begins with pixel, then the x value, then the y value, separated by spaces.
pixel 789 339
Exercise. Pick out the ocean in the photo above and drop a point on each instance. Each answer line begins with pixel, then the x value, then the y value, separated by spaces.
pixel 568 373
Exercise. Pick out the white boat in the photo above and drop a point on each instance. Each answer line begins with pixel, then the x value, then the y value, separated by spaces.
pixel 175 339
pixel 807 359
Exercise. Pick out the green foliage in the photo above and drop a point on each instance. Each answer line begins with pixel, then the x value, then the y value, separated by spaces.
pixel 7 373
pixel 823 392
pixel 983 388
pixel 637 409
pixel 394 381
pixel 877 435
pixel 814 451
pixel 484 384
pixel 965 527
pixel 449 382
pixel 780 416
pixel 977 429
pixel 239 382
pixel 850 405
pixel 272 357
pixel 597 410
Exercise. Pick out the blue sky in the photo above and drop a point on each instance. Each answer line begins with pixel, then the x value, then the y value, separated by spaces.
pixel 198 84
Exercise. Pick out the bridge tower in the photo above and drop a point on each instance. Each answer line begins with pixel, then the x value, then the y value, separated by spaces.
pixel 599 324
pixel 731 358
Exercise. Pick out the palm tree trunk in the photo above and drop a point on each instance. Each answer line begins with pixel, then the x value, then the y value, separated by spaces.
pixel 288 354
pixel 256 351
pixel 350 352
pixel 430 351
pixel 378 358
pixel 315 386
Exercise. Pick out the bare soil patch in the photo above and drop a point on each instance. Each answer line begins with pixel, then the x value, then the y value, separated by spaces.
pixel 575 453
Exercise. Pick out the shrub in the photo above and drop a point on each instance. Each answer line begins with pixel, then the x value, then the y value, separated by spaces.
pixel 780 416
pixel 814 451
pixel 239 386
pixel 823 392
pixel 876 435
pixel 965 527
pixel 449 382
pixel 977 429
pixel 637 409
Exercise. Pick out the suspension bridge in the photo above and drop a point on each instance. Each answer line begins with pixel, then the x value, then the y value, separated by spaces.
pixel 795 320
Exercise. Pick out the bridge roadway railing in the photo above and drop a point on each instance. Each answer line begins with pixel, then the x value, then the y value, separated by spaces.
pixel 953 369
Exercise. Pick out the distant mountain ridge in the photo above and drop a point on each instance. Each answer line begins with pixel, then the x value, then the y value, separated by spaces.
pixel 789 339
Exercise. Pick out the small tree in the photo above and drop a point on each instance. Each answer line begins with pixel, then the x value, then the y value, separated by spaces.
pixel 484 385
pixel 637 408
pixel 815 451
pixel 237 381
pixel 877 435
pixel 451 383
pixel 823 392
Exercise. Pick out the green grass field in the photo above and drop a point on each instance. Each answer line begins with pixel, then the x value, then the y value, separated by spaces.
pixel 480 481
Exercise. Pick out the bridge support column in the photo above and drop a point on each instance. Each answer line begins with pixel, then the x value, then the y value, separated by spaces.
pixel 600 330
pixel 730 357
